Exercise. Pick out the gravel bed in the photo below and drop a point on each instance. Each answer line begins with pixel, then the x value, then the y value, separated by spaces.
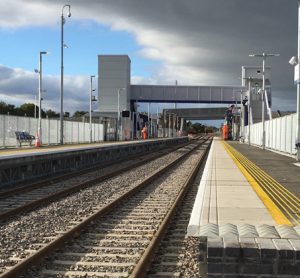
pixel 23 198
pixel 191 261
pixel 185 258
pixel 160 194
pixel 23 233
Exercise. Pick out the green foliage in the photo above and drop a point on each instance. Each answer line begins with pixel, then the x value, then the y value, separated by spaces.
pixel 6 108
pixel 26 109
pixel 52 114
pixel 78 114
pixel 199 128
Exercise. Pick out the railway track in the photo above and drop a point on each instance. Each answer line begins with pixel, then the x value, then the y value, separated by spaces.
pixel 25 198
pixel 118 236
pixel 177 255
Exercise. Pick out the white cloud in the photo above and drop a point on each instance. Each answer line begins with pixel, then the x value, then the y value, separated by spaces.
pixel 196 41
pixel 19 86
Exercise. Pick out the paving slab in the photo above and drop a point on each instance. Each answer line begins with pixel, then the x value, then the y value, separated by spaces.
pixel 225 195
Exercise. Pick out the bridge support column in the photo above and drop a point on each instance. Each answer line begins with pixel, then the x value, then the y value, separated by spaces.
pixel 181 125
pixel 164 121
pixel 174 126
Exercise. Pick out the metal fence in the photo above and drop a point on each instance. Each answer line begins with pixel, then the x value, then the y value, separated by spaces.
pixel 74 131
pixel 280 134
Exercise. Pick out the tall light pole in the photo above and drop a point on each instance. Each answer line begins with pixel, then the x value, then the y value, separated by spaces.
pixel 298 88
pixel 39 71
pixel 236 104
pixel 91 100
pixel 175 104
pixel 249 112
pixel 119 115
pixel 35 106
pixel 294 61
pixel 264 56
pixel 149 122
pixel 62 73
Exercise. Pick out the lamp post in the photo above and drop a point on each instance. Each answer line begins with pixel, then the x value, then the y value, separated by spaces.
pixel 39 71
pixel 91 100
pixel 35 106
pixel 294 61
pixel 62 73
pixel 119 115
pixel 149 122
pixel 136 124
pixel 264 56
pixel 175 104
pixel 298 88
pixel 170 126
pixel 249 112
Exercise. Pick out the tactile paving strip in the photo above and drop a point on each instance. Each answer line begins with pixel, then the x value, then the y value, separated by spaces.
pixel 247 230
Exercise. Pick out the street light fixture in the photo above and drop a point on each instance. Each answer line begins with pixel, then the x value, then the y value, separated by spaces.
pixel 264 56
pixel 39 71
pixel 91 100
pixel 63 45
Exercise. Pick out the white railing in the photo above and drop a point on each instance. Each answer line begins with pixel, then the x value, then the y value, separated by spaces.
pixel 280 134
pixel 74 132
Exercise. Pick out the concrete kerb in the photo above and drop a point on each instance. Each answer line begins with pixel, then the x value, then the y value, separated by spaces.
pixel 194 223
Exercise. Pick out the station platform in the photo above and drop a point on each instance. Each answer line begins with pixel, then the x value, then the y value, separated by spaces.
pixel 242 184
pixel 52 149
pixel 22 165
pixel 247 213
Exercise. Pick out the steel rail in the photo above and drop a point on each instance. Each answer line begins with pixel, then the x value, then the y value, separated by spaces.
pixel 23 265
pixel 46 181
pixel 145 261
pixel 57 195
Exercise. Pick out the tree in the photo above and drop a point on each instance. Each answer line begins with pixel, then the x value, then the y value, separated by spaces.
pixel 7 108
pixel 52 114
pixel 3 107
pixel 26 109
pixel 198 127
pixel 78 114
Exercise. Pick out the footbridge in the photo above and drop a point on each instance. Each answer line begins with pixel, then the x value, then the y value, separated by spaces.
pixel 198 113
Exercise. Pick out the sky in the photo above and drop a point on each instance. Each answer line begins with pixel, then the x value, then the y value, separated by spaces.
pixel 197 42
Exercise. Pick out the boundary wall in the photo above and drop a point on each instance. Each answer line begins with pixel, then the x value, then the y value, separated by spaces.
pixel 74 132
pixel 280 134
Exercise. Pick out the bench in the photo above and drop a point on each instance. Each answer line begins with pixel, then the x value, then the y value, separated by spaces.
pixel 24 136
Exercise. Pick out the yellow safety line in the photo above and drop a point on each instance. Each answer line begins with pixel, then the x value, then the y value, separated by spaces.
pixel 267 177
pixel 271 191
pixel 275 212
pixel 286 194
pixel 293 202
pixel 269 182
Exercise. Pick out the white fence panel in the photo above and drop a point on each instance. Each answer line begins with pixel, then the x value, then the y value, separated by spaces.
pixel 74 132
pixel 280 134
pixel 86 132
